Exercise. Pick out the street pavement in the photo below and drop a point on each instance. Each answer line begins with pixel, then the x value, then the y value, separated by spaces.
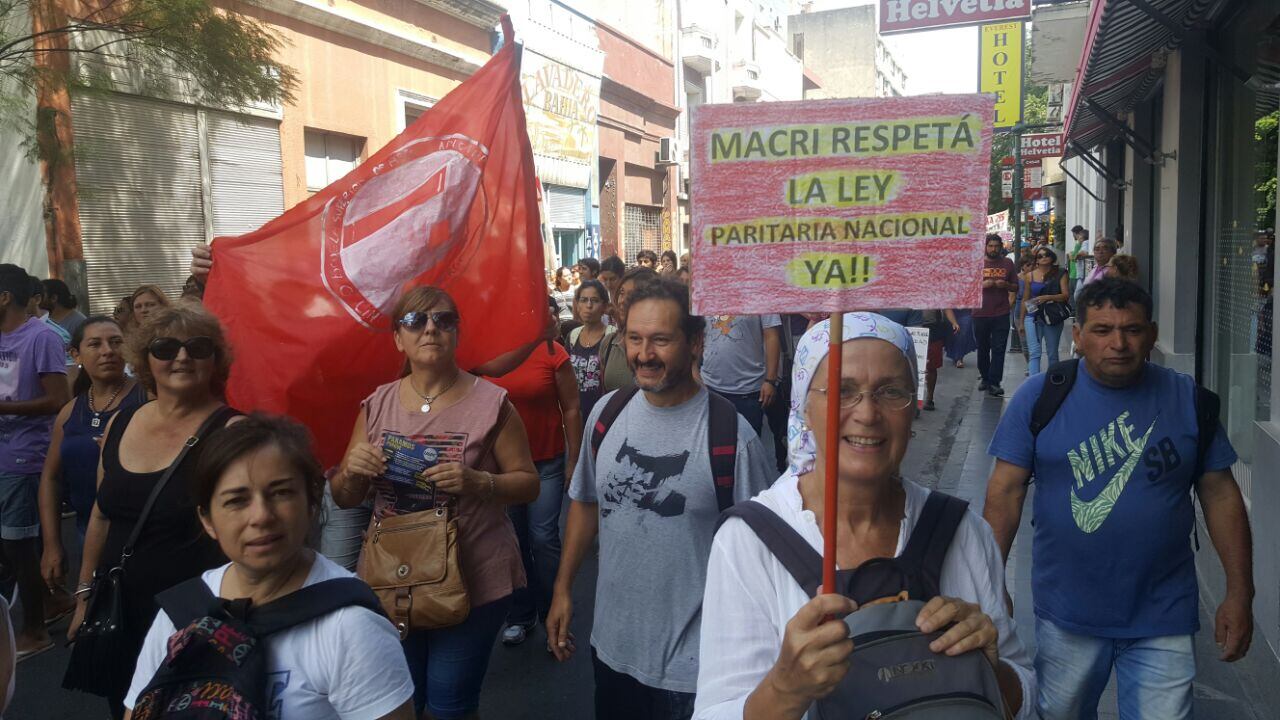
pixel 947 453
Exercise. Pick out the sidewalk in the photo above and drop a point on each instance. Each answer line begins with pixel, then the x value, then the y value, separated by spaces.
pixel 1240 691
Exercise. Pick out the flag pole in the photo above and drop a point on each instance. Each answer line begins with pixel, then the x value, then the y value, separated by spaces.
pixel 832 465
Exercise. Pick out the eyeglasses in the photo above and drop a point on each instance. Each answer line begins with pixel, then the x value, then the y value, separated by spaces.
pixel 166 348
pixel 445 321
pixel 889 397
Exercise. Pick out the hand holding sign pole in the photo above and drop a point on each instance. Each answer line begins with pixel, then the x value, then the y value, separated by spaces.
pixel 829 205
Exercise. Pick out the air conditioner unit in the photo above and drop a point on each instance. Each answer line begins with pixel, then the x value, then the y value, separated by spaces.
pixel 667 152
pixel 684 186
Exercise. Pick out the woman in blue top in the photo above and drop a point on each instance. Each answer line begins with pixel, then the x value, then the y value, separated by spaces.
pixel 102 389
pixel 1044 283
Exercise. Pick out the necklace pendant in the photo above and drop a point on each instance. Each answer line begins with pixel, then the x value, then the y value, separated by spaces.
pixel 426 407
pixel 96 421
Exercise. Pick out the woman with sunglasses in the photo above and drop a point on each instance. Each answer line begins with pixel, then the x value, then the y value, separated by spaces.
pixel 181 357
pixel 1044 283
pixel 101 390
pixel 458 415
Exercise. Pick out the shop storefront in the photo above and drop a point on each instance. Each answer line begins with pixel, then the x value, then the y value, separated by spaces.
pixel 1178 109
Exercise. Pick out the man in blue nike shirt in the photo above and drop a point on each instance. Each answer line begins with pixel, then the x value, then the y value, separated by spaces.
pixel 1113 570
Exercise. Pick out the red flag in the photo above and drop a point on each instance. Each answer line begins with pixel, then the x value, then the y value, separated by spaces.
pixel 451 202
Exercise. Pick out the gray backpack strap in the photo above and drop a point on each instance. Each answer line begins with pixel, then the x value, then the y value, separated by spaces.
pixel 796 555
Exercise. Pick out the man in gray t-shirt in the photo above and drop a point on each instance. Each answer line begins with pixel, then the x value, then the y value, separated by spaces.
pixel 741 359
pixel 650 495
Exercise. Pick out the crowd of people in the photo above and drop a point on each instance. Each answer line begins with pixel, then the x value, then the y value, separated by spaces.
pixel 647 423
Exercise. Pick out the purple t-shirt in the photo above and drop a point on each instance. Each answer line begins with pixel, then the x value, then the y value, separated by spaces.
pixel 25 354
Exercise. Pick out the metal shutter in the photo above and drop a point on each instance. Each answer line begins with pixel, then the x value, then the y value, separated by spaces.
pixel 245 178
pixel 643 230
pixel 566 206
pixel 138 171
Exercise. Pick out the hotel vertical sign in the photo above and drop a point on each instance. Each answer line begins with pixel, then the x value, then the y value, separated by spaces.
pixel 1000 70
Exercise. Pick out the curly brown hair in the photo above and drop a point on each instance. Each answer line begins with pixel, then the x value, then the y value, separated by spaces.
pixel 188 321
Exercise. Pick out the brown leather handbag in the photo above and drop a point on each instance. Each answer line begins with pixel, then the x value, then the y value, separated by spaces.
pixel 411 562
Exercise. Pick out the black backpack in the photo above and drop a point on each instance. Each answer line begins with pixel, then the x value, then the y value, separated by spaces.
pixel 722 437
pixel 216 667
pixel 892 671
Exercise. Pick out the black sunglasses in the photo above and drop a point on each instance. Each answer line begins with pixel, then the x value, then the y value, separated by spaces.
pixel 445 320
pixel 166 348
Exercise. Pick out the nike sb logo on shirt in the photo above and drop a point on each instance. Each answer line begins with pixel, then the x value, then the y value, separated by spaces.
pixel 1114 444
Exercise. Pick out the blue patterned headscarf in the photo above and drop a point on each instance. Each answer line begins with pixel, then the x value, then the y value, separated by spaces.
pixel 802 446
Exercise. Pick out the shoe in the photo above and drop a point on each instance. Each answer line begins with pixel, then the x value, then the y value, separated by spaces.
pixel 928 405
pixel 982 385
pixel 995 391
pixel 67 512
pixel 514 634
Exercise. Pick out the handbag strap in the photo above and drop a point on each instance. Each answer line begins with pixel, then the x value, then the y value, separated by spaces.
pixel 216 419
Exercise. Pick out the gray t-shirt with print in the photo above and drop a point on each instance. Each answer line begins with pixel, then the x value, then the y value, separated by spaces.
pixel 733 358
pixel 658 511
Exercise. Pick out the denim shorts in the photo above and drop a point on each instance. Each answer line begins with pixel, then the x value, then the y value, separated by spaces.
pixel 19 506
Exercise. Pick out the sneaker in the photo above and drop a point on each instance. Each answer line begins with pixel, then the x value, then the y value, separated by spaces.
pixel 982 385
pixel 996 391
pixel 514 634
pixel 928 405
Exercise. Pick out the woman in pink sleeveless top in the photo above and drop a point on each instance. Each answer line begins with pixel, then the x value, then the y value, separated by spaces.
pixel 454 412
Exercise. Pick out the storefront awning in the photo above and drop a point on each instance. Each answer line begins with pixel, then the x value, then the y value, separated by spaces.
pixel 1122 60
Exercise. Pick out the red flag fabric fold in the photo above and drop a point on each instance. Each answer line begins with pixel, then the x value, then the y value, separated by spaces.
pixel 451 201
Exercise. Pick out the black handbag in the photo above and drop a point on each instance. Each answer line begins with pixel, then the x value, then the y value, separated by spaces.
pixel 102 641
pixel 1053 312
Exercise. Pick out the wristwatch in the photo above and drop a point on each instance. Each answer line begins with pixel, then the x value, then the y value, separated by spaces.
pixel 776 382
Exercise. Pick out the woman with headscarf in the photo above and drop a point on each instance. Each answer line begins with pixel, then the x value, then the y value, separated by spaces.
pixel 769 649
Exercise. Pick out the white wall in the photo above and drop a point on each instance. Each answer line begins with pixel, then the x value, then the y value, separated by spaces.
pixel 1081 208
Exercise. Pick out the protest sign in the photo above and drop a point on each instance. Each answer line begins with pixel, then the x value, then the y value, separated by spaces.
pixel 920 342
pixel 835 205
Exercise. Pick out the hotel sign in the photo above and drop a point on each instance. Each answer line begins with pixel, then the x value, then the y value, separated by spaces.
pixel 908 15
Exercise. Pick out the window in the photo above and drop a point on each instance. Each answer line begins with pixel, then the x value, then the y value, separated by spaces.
pixel 329 157
pixel 643 230
pixel 412 106
pixel 797 45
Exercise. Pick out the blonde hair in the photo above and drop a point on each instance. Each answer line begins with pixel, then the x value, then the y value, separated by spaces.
pixel 154 290
pixel 187 319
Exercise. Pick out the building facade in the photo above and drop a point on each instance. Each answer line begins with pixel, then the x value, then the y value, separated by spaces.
pixel 843 48
pixel 561 71
pixel 156 171
pixel 1172 121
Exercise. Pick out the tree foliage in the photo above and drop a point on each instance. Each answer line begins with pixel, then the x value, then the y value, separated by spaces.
pixel 1265 134
pixel 229 59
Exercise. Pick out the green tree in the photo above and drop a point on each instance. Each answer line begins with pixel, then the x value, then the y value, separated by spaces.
pixel 1265 134
pixel 228 58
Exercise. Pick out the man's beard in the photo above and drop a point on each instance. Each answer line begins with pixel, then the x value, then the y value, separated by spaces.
pixel 668 381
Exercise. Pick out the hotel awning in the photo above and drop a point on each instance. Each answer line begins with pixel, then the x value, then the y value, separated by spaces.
pixel 1122 61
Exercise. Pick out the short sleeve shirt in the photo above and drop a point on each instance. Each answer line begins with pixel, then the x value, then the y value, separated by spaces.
pixel 1113 469
pixel 733 357
pixel 657 503
pixel 347 665
pixel 995 300
pixel 531 388
pixel 27 353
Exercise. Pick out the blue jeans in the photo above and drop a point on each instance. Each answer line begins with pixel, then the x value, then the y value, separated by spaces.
pixel 342 531
pixel 448 665
pixel 19 506
pixel 537 526
pixel 1042 340
pixel 749 407
pixel 1153 675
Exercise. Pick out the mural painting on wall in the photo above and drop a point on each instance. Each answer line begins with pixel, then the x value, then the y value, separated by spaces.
pixel 666 230
pixel 561 105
